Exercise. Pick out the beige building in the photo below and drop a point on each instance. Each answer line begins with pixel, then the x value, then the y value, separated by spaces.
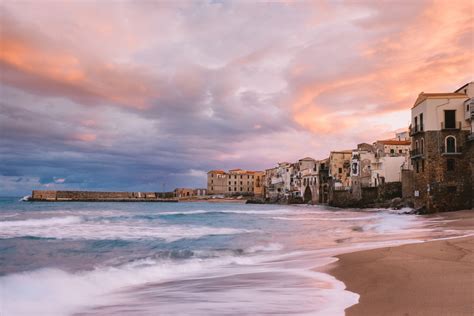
pixel 340 169
pixel 216 182
pixel 392 147
pixel 235 182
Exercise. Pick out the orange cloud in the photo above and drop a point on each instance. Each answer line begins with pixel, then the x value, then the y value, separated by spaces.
pixel 86 137
pixel 37 63
pixel 433 52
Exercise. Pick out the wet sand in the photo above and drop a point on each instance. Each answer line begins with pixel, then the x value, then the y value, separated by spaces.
pixel 431 278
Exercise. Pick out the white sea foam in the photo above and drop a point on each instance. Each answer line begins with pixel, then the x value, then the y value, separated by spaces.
pixel 321 294
pixel 249 212
pixel 72 227
pixel 267 247
pixel 40 222
pixel 306 218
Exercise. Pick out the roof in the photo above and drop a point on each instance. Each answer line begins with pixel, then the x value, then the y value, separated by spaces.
pixel 306 158
pixel 451 95
pixel 216 171
pixel 459 89
pixel 394 142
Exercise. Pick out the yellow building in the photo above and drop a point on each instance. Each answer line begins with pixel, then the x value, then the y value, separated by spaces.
pixel 235 182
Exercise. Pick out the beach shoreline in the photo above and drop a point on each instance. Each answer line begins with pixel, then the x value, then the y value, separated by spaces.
pixel 435 277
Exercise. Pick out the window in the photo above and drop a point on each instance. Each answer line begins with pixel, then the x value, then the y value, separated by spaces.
pixel 241 189
pixel 416 124
pixel 450 164
pixel 422 147
pixel 230 183
pixel 450 144
pixel 417 165
pixel 451 189
pixel 340 170
pixel 392 151
pixel 421 121
pixel 235 189
pixel 450 119
pixel 423 166
pixel 230 189
pixel 212 188
pixel 400 151
pixel 212 181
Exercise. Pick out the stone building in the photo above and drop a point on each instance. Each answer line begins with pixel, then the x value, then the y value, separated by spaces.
pixel 184 192
pixel 340 169
pixel 235 182
pixel 216 182
pixel 441 152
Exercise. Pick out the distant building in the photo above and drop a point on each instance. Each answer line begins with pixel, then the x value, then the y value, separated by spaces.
pixel 392 147
pixel 216 182
pixel 441 154
pixel 184 192
pixel 340 169
pixel 235 182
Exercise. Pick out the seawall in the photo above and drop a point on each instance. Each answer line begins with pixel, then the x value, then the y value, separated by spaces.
pixel 98 196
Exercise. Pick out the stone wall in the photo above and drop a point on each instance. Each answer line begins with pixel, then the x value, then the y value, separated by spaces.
pixel 407 184
pixel 435 187
pixel 40 195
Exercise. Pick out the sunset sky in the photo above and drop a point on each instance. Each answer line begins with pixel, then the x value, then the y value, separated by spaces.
pixel 150 95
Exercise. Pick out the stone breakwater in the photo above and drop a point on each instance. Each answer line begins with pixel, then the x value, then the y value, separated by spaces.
pixel 97 196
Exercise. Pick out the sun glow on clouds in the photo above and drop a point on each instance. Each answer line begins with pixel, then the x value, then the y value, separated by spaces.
pixel 222 85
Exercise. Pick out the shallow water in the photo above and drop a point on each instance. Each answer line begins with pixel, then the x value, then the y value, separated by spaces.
pixel 185 258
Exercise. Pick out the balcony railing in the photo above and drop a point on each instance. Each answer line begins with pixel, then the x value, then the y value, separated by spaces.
pixel 444 151
pixel 416 153
pixel 456 126
pixel 415 130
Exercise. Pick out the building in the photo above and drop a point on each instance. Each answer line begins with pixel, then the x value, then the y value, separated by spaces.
pixel 183 192
pixel 340 169
pixel 441 154
pixel 392 147
pixel 216 182
pixel 235 182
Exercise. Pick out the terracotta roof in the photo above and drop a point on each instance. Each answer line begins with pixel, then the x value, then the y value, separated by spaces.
pixel 216 171
pixel 451 95
pixel 394 142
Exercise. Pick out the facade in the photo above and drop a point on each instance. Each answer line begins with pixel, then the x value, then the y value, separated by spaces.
pixel 235 182
pixel 392 147
pixel 340 169
pixel 183 192
pixel 216 182
pixel 441 150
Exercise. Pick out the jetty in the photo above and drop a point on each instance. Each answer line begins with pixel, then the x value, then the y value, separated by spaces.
pixel 98 196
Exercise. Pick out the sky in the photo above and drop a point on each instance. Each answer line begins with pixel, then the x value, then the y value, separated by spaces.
pixel 149 96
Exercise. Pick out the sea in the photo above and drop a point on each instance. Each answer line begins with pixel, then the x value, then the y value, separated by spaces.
pixel 195 258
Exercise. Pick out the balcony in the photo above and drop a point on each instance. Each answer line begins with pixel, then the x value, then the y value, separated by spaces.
pixel 470 137
pixel 451 127
pixel 457 151
pixel 416 153
pixel 415 130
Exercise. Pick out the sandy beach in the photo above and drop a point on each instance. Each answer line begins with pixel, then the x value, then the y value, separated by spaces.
pixel 430 278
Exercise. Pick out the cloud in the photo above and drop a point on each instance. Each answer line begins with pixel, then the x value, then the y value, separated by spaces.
pixel 150 95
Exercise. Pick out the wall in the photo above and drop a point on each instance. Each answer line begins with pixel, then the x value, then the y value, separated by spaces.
pixel 439 189
pixel 97 196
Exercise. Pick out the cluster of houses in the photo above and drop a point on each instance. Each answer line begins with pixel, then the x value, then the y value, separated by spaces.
pixel 431 165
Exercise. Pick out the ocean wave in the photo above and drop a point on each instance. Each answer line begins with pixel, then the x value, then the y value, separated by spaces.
pixel 248 212
pixel 140 283
pixel 41 222
pixel 324 218
pixel 78 228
